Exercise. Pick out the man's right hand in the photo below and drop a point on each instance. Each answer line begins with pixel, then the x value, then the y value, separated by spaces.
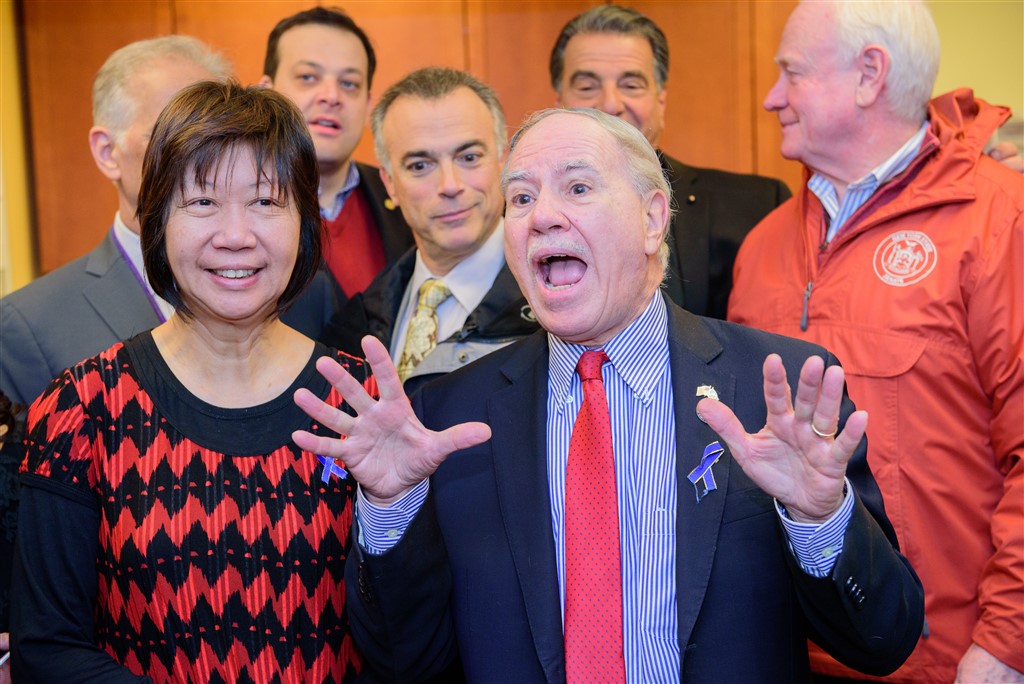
pixel 385 446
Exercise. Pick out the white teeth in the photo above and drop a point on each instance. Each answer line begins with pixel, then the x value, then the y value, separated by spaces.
pixel 235 273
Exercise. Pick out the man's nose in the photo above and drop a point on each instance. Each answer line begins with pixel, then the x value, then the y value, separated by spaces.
pixel 776 97
pixel 546 213
pixel 329 93
pixel 451 179
pixel 611 100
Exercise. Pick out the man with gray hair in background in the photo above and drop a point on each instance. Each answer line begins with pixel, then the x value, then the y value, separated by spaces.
pixel 89 304
pixel 439 134
pixel 904 255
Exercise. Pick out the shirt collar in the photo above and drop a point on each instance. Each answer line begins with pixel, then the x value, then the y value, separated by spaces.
pixel 351 181
pixel 875 178
pixel 131 247
pixel 470 279
pixel 638 354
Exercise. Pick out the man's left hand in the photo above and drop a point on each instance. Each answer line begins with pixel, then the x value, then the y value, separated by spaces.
pixel 789 458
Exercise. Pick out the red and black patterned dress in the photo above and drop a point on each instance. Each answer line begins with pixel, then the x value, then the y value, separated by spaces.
pixel 166 537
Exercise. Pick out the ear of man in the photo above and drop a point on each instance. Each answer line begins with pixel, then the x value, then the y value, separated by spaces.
pixel 104 152
pixel 656 215
pixel 872 64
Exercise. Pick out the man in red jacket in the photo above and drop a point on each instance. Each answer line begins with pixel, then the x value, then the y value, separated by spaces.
pixel 903 255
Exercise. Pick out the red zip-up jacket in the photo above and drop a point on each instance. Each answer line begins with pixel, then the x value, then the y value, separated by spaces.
pixel 921 297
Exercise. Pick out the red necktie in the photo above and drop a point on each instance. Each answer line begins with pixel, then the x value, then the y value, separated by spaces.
pixel 593 568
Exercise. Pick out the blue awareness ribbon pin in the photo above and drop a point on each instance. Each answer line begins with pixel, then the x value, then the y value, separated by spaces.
pixel 703 474
pixel 331 467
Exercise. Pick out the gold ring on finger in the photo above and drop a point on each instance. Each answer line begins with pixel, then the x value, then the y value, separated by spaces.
pixel 824 435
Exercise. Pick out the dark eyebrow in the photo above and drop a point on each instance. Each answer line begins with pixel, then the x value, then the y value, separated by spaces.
pixel 431 154
pixel 320 67
pixel 579 75
pixel 416 154
pixel 467 145
pixel 633 74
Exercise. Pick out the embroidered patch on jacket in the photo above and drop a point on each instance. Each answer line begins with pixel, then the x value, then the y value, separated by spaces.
pixel 904 258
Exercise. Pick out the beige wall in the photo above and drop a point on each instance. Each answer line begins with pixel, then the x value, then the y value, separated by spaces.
pixel 982 48
pixel 16 260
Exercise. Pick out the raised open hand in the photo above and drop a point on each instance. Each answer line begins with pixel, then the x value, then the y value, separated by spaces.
pixel 797 457
pixel 384 446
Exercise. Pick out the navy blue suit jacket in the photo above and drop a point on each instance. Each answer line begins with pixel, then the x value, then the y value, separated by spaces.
pixel 474 575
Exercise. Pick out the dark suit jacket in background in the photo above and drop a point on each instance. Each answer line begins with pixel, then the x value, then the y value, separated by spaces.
pixel 474 575
pixel 86 306
pixel 714 212
pixel 502 316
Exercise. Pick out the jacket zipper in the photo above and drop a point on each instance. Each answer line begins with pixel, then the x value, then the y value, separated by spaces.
pixel 807 301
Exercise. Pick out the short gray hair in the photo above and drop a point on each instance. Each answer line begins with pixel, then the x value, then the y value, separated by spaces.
pixel 113 104
pixel 434 83
pixel 907 31
pixel 642 163
pixel 611 19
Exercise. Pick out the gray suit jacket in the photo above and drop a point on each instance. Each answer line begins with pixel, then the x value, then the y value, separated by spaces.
pixel 86 306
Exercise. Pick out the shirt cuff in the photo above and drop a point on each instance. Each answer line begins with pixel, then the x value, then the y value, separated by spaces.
pixel 381 527
pixel 817 546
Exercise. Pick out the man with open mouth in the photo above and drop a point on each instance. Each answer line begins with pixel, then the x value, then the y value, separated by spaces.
pixel 590 508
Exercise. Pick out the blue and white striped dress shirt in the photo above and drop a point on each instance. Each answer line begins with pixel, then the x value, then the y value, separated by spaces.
pixel 638 385
pixel 859 192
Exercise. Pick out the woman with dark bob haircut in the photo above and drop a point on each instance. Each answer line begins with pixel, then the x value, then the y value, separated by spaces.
pixel 171 529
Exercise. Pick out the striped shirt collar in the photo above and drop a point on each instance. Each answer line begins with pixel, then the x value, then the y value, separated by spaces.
pixel 638 354
pixel 858 192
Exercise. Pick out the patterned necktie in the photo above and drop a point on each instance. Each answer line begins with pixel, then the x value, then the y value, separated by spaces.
pixel 593 572
pixel 421 337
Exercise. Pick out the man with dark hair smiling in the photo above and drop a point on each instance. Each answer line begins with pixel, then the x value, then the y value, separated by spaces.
pixel 440 138
pixel 615 59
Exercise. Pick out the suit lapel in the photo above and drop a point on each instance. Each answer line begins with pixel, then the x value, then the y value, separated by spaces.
pixel 691 349
pixel 518 419
pixel 115 294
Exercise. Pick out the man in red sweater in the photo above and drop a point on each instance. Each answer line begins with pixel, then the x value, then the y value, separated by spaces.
pixel 904 256
pixel 324 63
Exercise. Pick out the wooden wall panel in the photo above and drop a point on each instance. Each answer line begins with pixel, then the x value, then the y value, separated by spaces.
pixel 720 51
pixel 707 118
pixel 65 45
pixel 408 35
pixel 516 40
pixel 239 30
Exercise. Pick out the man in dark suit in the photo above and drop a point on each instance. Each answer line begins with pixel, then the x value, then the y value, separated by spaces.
pixel 615 59
pixel 470 549
pixel 324 62
pixel 89 304
pixel 440 136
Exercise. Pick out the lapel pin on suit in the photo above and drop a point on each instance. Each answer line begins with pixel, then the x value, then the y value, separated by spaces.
pixel 701 477
pixel 706 391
